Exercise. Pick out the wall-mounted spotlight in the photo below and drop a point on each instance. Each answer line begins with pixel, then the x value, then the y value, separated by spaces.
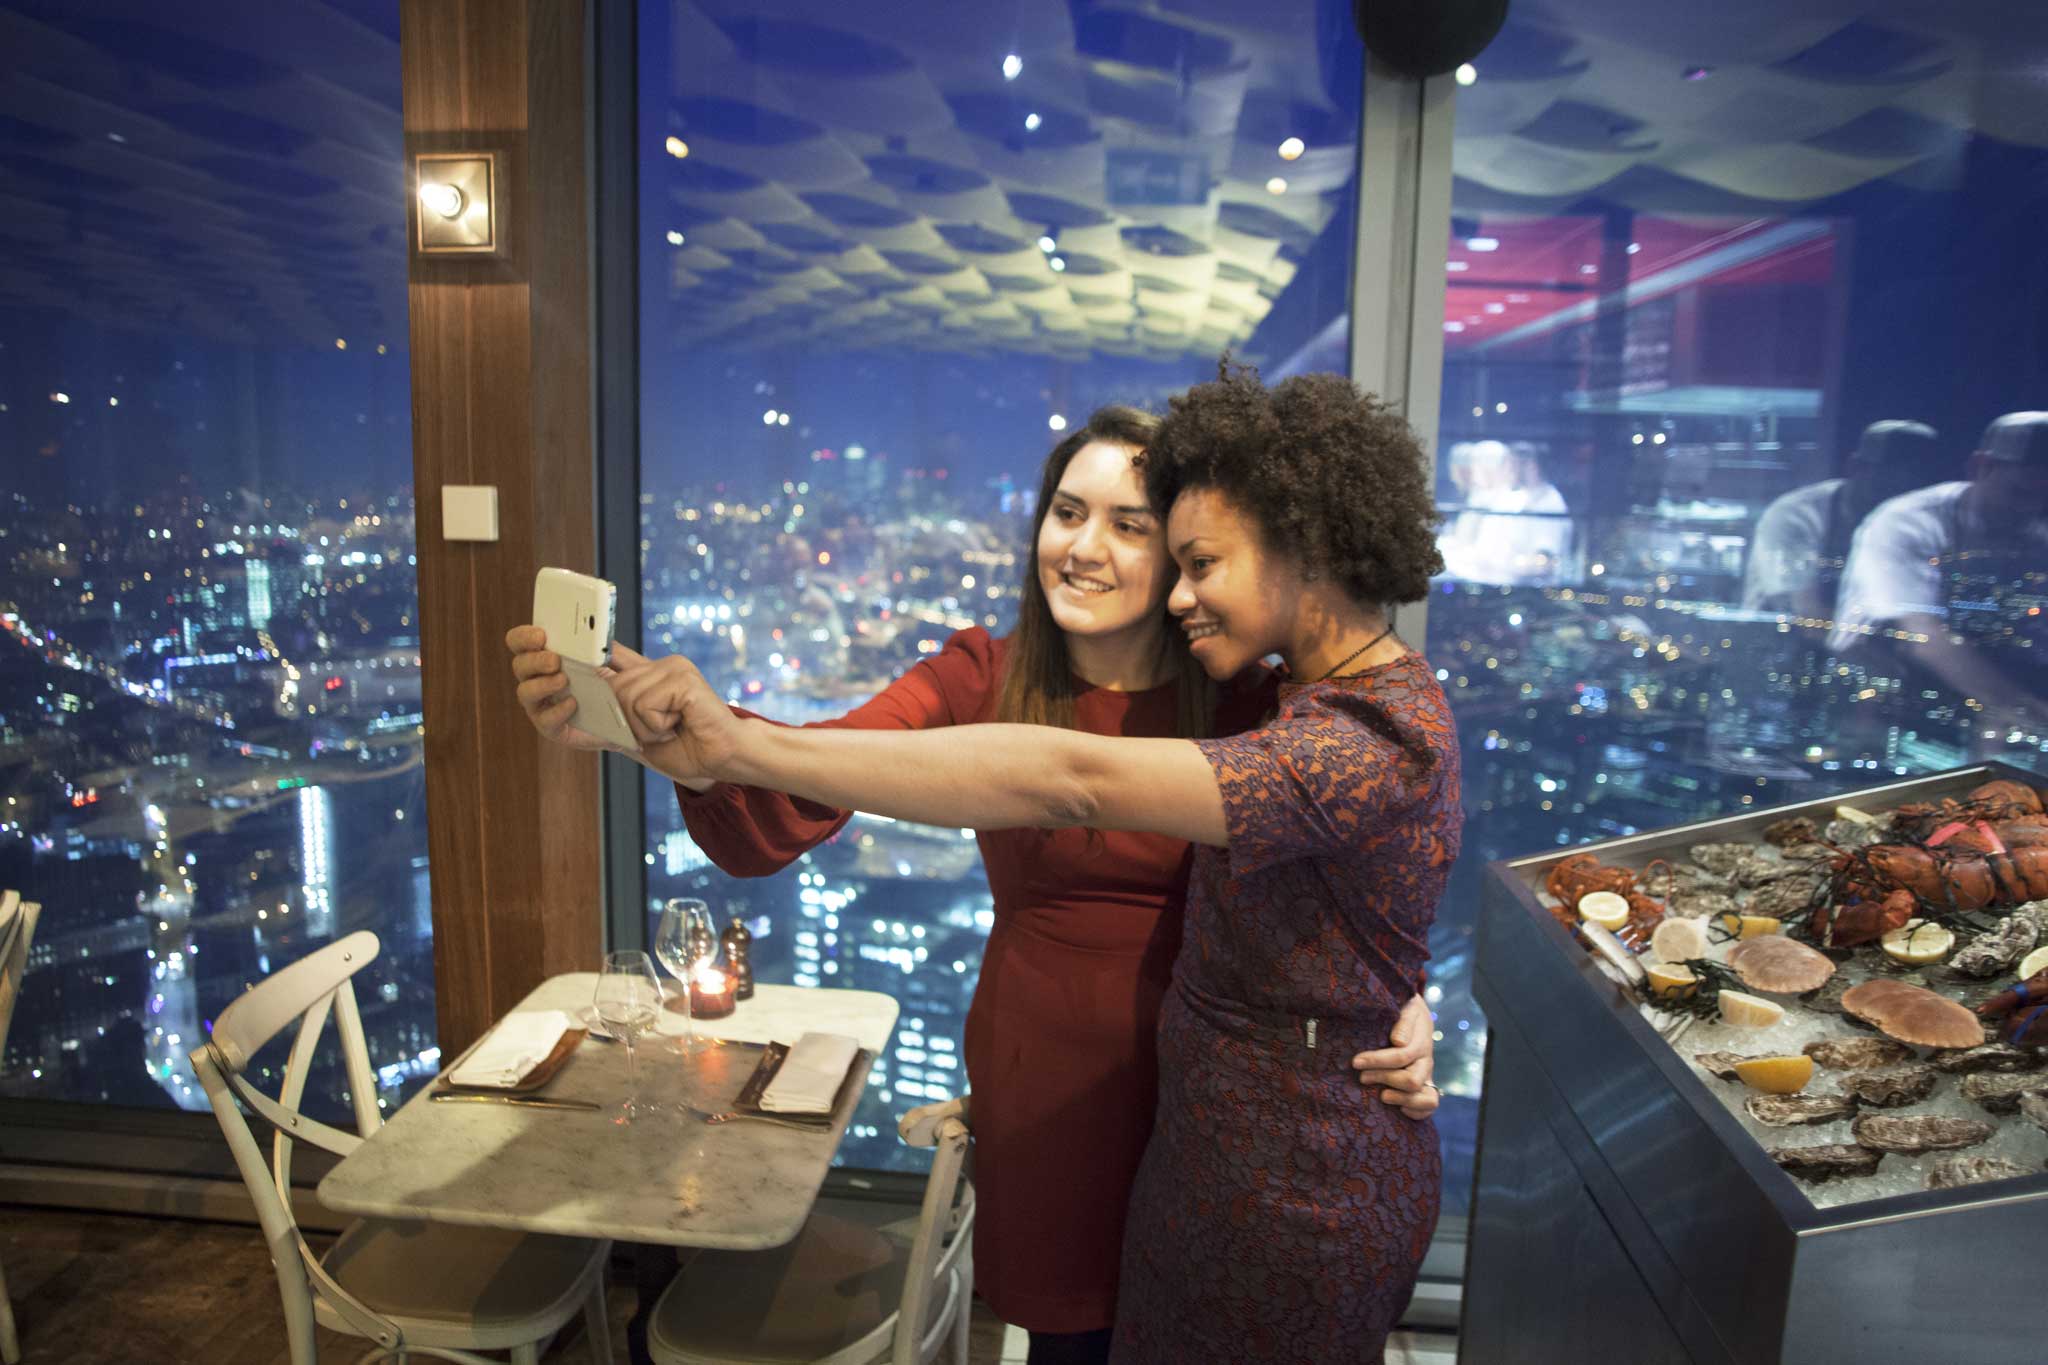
pixel 456 209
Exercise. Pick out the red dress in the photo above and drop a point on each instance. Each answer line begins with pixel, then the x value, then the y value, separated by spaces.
pixel 1060 1048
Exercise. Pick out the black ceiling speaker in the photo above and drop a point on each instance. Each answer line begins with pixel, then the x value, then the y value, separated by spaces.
pixel 1427 37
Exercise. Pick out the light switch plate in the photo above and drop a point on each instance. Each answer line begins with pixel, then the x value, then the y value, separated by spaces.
pixel 469 511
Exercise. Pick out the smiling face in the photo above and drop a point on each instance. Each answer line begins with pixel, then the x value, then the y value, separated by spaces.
pixel 1101 551
pixel 1235 599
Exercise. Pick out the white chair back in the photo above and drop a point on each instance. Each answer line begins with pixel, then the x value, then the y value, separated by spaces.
pixel 17 931
pixel 308 991
pixel 941 1260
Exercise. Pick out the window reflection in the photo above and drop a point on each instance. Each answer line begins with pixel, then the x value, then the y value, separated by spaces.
pixel 1751 307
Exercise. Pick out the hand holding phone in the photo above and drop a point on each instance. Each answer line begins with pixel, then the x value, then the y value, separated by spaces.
pixel 575 613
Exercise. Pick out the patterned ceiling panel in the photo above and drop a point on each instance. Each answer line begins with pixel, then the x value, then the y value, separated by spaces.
pixel 868 175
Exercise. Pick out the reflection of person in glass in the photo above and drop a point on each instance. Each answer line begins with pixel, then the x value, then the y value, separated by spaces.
pixel 1961 571
pixel 1062 1028
pixel 1513 527
pixel 1274 1217
pixel 1802 539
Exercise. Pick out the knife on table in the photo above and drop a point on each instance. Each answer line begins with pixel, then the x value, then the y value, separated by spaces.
pixel 533 1101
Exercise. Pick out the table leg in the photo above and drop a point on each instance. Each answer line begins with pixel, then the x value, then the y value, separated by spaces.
pixel 653 1268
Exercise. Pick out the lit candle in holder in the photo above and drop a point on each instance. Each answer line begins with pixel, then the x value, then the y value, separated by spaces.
pixel 711 993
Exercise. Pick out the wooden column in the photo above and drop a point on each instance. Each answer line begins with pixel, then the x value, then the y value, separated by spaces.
pixel 501 385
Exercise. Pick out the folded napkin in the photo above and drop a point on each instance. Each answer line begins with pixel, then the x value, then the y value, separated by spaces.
pixel 809 1078
pixel 514 1048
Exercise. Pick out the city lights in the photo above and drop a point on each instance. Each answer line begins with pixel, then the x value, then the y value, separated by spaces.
pixel 1056 422
pixel 1468 74
pixel 1277 185
pixel 676 147
pixel 1013 67
pixel 1031 122
pixel 1292 148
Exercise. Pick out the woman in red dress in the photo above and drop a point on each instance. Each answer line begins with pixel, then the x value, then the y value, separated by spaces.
pixel 1059 1044
pixel 1276 1216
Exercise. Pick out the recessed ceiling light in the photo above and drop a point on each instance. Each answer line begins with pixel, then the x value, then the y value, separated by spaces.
pixel 1467 74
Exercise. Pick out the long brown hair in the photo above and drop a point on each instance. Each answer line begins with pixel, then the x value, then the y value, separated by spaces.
pixel 1038 676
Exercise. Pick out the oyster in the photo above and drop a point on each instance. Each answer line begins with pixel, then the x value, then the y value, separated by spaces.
pixel 2034 1108
pixel 1759 869
pixel 2000 1094
pixel 1780 965
pixel 1953 1171
pixel 1787 897
pixel 1722 859
pixel 1792 830
pixel 1852 834
pixel 1891 1087
pixel 1783 1111
pixel 1913 1014
pixel 1914 1133
pixel 1826 1161
pixel 1721 1064
pixel 1700 904
pixel 1857 1054
pixel 1989 954
pixel 1828 999
pixel 1989 1057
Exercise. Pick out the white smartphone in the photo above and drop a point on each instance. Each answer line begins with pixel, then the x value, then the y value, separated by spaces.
pixel 578 614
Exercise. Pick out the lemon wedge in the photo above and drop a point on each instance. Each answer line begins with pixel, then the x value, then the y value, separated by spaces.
pixel 1775 1075
pixel 1749 1011
pixel 1678 940
pixel 1605 909
pixel 2035 961
pixel 1917 942
pixel 1751 926
pixel 1669 981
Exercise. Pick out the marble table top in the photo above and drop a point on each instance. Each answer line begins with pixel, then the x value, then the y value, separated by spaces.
pixel 666 1177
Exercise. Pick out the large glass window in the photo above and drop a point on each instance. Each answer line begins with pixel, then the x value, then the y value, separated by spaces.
pixel 210 745
pixel 1738 309
pixel 887 257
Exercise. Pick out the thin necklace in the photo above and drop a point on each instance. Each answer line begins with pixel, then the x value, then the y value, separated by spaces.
pixel 1354 654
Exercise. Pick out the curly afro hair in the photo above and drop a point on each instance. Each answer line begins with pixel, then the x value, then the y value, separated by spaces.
pixel 1330 475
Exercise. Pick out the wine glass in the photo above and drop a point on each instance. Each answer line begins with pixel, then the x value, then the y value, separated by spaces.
pixel 628 1003
pixel 685 940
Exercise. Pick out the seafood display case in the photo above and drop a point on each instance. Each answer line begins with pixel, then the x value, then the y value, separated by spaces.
pixel 1627 1204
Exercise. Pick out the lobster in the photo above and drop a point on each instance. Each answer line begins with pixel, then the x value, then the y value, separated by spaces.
pixel 1993 818
pixel 1877 889
pixel 2024 1027
pixel 1581 874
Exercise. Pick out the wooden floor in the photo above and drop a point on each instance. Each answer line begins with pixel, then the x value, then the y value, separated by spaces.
pixel 110 1289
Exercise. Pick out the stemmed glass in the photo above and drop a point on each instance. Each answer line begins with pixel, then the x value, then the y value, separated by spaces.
pixel 628 1004
pixel 685 940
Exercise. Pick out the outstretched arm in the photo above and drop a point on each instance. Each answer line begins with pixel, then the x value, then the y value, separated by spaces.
pixel 975 776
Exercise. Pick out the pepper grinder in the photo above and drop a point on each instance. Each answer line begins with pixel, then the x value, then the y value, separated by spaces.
pixel 739 956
